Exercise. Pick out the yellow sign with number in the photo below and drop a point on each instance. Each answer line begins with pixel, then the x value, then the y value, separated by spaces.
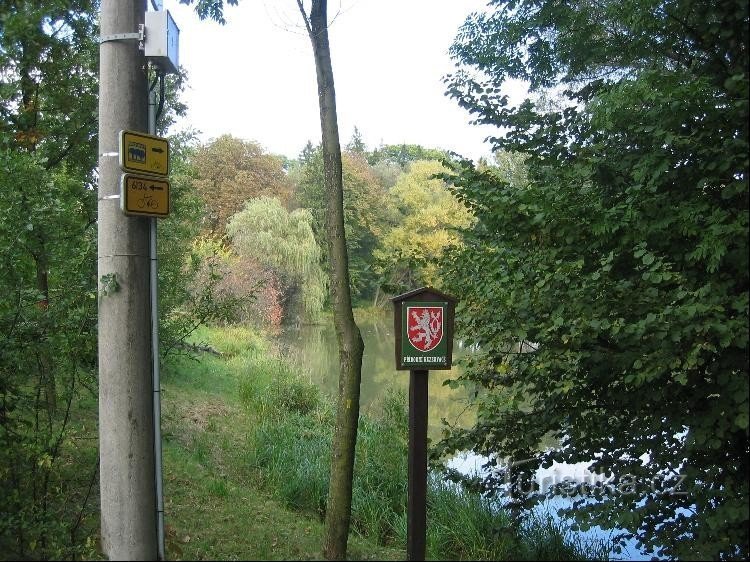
pixel 142 195
pixel 140 152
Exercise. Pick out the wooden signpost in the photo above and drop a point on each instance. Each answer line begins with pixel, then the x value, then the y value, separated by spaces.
pixel 423 324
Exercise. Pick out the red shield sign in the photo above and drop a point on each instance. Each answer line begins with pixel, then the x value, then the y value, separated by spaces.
pixel 424 326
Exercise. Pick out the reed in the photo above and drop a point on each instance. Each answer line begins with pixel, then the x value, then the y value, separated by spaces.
pixel 291 448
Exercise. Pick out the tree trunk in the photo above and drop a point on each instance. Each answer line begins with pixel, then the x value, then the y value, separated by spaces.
pixel 351 347
pixel 46 373
pixel 27 123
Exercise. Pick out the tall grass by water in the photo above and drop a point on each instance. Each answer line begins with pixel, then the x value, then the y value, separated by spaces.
pixel 288 451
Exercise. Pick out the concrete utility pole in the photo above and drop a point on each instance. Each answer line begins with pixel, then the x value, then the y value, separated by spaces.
pixel 126 448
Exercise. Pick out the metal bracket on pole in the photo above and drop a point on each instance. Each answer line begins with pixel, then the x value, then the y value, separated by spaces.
pixel 139 36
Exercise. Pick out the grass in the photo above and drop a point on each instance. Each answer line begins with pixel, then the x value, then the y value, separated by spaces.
pixel 212 515
pixel 218 505
pixel 259 424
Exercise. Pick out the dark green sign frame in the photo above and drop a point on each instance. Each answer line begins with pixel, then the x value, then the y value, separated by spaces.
pixel 423 324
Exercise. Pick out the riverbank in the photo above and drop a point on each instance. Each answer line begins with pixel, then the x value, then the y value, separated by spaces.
pixel 246 444
pixel 217 505
pixel 245 430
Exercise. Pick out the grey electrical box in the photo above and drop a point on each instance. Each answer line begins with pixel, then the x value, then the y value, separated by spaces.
pixel 162 42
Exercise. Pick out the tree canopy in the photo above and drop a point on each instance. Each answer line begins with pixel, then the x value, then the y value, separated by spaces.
pixel 430 218
pixel 608 292
pixel 47 262
pixel 368 210
pixel 229 171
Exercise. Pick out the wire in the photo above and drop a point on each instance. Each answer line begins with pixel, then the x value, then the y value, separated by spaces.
pixel 162 95
pixel 151 87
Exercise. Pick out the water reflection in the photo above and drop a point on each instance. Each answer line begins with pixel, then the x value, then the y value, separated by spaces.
pixel 470 463
pixel 314 350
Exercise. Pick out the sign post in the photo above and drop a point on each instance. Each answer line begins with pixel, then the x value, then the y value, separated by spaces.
pixel 423 324
pixel 144 188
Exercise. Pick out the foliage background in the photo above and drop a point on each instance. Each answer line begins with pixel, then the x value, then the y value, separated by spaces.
pixel 608 292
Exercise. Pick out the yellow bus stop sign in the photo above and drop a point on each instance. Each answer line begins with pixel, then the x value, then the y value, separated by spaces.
pixel 140 152
pixel 144 195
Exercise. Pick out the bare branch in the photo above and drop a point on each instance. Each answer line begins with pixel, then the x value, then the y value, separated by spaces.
pixel 305 17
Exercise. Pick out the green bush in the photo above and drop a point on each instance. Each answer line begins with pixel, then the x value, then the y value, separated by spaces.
pixel 275 389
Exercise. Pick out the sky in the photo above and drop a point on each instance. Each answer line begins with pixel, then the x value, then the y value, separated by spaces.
pixel 254 77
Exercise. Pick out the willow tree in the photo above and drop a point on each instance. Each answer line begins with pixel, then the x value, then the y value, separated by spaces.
pixel 284 243
pixel 351 347
pixel 229 171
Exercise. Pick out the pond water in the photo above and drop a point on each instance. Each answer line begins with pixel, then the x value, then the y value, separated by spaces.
pixel 575 474
pixel 314 350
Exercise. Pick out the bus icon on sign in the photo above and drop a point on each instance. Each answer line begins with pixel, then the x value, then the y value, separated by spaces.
pixel 136 152
pixel 142 153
